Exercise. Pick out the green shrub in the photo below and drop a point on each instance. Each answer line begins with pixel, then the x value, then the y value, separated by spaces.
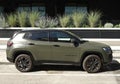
pixel 42 22
pixel 108 25
pixel 117 26
pixel 52 22
pixel 33 17
pixel 12 20
pixel 78 19
pixel 65 20
pixel 22 18
pixel 100 24
pixel 94 18
pixel 46 22
pixel 2 21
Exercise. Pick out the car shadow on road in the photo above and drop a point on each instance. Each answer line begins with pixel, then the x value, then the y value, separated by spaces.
pixel 56 68
pixel 113 66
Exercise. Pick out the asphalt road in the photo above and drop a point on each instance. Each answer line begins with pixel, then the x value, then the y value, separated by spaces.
pixel 58 74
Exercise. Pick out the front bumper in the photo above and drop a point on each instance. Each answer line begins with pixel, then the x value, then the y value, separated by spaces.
pixel 109 59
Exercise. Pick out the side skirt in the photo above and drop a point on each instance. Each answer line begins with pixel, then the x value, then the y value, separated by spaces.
pixel 56 63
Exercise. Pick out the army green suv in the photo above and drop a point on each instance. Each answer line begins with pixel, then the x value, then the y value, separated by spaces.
pixel 28 48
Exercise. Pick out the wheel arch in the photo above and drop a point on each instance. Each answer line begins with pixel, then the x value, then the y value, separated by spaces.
pixel 15 54
pixel 90 53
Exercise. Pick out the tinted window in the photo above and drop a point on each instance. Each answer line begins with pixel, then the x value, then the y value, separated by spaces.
pixel 37 35
pixel 59 36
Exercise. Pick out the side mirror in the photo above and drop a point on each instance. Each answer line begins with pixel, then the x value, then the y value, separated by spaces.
pixel 75 42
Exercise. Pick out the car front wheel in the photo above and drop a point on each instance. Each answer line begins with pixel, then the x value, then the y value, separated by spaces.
pixel 23 63
pixel 92 64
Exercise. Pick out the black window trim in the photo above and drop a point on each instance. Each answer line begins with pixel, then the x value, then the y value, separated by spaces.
pixel 49 35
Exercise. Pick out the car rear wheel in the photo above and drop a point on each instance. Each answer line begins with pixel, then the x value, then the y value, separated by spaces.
pixel 23 63
pixel 92 64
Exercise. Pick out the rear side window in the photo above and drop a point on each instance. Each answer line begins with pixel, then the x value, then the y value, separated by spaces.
pixel 37 35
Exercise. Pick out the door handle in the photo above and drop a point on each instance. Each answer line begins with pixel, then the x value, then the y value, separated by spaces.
pixel 31 44
pixel 56 45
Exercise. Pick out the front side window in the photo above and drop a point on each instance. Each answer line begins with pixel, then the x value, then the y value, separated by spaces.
pixel 59 36
pixel 37 35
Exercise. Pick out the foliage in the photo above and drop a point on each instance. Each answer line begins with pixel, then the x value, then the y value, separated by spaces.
pixel 42 22
pixel 52 22
pixel 78 19
pixel 64 20
pixel 108 25
pixel 117 26
pixel 12 20
pixel 33 17
pixel 94 18
pixel 22 18
pixel 2 21
pixel 46 22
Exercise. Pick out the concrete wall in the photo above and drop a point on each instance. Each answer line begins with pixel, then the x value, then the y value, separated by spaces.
pixel 82 32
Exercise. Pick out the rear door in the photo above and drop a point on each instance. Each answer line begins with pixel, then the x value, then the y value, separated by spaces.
pixel 38 44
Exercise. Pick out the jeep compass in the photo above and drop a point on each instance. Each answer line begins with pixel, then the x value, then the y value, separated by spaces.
pixel 28 48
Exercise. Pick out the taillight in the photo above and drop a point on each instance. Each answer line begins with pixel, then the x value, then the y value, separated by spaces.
pixel 9 43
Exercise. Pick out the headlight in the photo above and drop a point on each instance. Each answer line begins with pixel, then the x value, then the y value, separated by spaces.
pixel 107 50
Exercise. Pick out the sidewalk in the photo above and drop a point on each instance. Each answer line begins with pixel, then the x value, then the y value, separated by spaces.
pixel 3 47
pixel 3 43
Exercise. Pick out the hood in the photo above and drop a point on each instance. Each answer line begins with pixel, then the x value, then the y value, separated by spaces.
pixel 94 44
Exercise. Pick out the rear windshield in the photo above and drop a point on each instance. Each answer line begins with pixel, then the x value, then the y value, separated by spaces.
pixel 17 35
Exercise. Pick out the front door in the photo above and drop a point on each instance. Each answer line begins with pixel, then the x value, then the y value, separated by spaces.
pixel 63 50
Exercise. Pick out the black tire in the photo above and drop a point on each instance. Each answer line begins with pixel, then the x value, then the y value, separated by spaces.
pixel 23 63
pixel 92 64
